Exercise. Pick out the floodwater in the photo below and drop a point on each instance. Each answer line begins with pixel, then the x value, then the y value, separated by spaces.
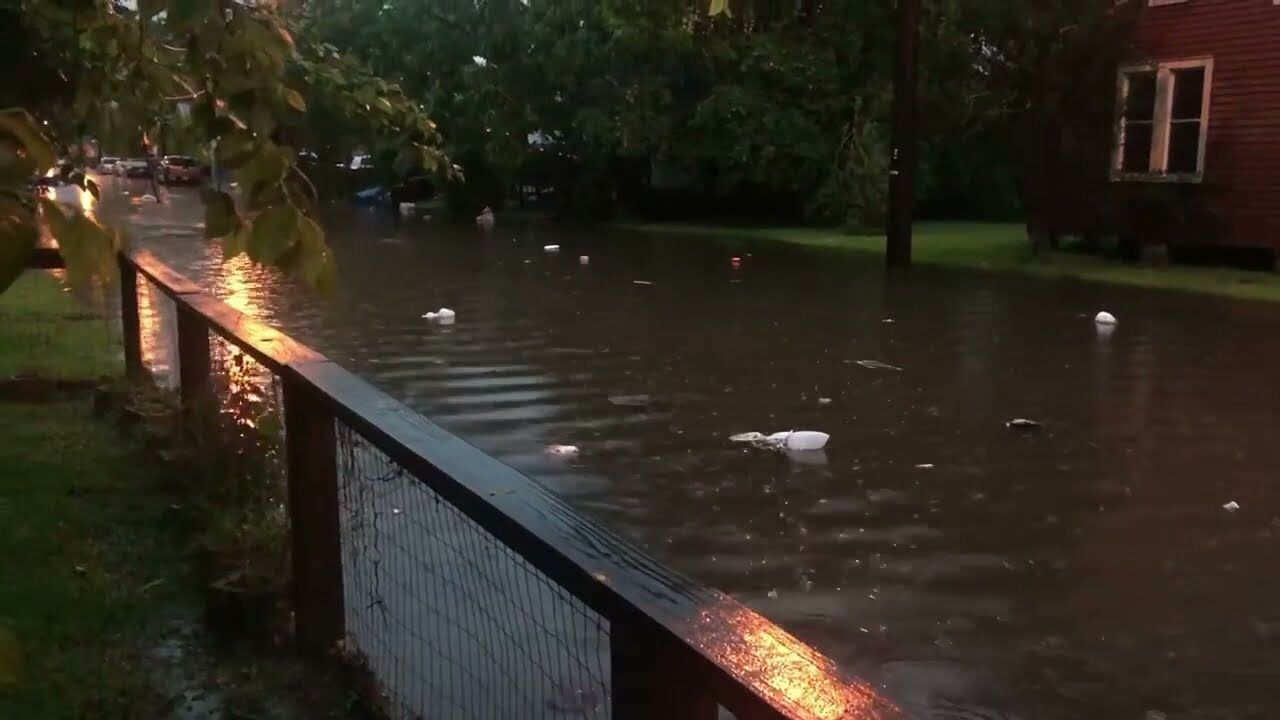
pixel 1088 569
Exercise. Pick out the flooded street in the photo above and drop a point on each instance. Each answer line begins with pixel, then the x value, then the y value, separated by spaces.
pixel 1086 569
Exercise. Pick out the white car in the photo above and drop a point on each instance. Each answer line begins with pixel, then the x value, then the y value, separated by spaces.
pixel 133 167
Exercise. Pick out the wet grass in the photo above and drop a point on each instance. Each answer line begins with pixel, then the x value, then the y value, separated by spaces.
pixel 89 561
pixel 100 603
pixel 1000 247
pixel 46 332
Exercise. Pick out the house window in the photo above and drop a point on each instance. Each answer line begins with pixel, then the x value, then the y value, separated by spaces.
pixel 1164 120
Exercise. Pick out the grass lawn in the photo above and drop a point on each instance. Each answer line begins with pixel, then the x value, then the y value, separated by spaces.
pixel 1001 247
pixel 45 331
pixel 90 559
pixel 99 601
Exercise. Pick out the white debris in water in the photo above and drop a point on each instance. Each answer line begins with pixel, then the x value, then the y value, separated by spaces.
pixel 444 316
pixel 1231 506
pixel 888 321
pixel 1105 318
pixel 1022 424
pixel 877 365
pixel 924 466
pixel 562 450
pixel 551 248
pixel 824 401
pixel 795 440
pixel 773 594
pixel 641 282
pixel 584 259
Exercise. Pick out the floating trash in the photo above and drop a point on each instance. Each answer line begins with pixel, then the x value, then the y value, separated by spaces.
pixel 444 316
pixel 797 440
pixel 877 365
pixel 1105 318
pixel 1023 424
pixel 485 220
pixel 584 259
pixel 824 401
pixel 563 450
pixel 888 321
pixel 641 282
pixel 551 248
pixel 1231 506
pixel 924 466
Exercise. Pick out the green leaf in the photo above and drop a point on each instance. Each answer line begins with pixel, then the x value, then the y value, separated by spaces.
pixel 235 149
pixel 237 242
pixel 274 233
pixel 19 125
pixel 150 8
pixel 294 99
pixel 266 166
pixel 185 13
pixel 315 261
pixel 18 237
pixel 220 216
pixel 10 657
pixel 88 248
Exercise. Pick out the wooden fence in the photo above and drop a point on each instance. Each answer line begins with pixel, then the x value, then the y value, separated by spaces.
pixel 675 649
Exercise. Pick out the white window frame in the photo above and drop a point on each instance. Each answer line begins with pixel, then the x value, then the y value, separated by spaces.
pixel 1159 160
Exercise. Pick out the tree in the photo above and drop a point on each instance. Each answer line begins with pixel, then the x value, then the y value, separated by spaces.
pixel 117 73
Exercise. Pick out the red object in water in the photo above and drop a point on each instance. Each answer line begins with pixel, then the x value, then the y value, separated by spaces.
pixel 736 261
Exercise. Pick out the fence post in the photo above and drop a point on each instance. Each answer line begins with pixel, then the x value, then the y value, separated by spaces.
pixel 316 546
pixel 193 357
pixel 131 326
pixel 653 678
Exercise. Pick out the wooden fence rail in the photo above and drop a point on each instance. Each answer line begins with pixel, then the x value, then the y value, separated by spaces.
pixel 676 649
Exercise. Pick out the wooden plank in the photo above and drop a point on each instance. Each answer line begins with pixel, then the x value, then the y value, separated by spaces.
pixel 46 258
pixel 168 280
pixel 193 359
pixel 130 323
pixel 753 667
pixel 314 529
pixel 264 343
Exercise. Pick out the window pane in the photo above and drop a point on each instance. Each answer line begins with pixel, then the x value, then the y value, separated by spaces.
pixel 1140 104
pixel 1137 147
pixel 1188 93
pixel 1184 147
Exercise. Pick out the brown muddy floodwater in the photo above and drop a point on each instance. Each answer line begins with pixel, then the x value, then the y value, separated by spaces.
pixel 1086 570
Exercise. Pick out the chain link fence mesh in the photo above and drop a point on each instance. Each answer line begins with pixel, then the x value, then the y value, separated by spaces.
pixel 451 622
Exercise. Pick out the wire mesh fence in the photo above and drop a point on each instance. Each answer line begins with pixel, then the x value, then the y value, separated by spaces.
pixel 451 622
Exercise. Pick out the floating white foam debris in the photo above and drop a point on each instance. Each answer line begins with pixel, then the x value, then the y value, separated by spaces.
pixel 641 282
pixel 1023 424
pixel 1231 506
pixel 877 365
pixel 562 450
pixel 1105 318
pixel 584 259
pixel 551 248
pixel 924 466
pixel 444 316
pixel 797 440
pixel 824 401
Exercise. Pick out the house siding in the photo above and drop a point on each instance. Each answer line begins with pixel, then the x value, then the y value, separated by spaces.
pixel 1242 155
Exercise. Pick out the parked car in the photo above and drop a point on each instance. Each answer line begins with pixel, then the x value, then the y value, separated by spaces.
pixel 180 169
pixel 133 167
pixel 107 165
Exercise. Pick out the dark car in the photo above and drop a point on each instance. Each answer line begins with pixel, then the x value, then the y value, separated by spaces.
pixel 180 169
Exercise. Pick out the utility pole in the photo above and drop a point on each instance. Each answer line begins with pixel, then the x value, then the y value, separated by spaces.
pixel 902 159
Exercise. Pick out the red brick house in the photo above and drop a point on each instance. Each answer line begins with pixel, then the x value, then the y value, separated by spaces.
pixel 1201 109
